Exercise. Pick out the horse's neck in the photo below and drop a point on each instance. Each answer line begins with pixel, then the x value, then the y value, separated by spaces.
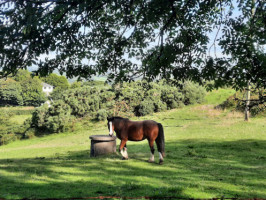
pixel 119 125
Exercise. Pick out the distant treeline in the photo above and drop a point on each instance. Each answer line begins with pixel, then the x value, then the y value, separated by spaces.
pixel 25 89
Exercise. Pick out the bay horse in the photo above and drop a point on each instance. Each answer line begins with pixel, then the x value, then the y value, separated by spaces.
pixel 137 131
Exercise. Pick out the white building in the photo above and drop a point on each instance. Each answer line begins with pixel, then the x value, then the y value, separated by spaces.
pixel 47 89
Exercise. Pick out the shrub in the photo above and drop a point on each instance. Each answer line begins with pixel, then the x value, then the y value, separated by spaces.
pixel 258 110
pixel 172 97
pixel 76 84
pixel 101 115
pixel 235 102
pixel 160 106
pixel 39 116
pixel 121 108
pixel 30 133
pixel 145 108
pixel 56 119
pixel 130 93
pixel 124 99
pixel 229 103
pixel 83 101
pixel 193 93
pixel 7 138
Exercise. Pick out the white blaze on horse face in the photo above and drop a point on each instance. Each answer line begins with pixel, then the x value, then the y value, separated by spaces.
pixel 111 129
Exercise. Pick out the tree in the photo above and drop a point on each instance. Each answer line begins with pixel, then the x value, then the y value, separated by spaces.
pixel 57 81
pixel 22 75
pixel 10 92
pixel 169 39
pixel 32 92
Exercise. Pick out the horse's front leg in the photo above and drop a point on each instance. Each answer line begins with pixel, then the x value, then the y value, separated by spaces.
pixel 123 149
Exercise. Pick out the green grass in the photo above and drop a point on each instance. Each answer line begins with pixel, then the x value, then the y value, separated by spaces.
pixel 218 96
pixel 209 153
pixel 19 119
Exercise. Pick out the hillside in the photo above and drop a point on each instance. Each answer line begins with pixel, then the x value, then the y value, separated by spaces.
pixel 209 153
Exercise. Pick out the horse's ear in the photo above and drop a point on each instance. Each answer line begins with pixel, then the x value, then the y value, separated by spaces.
pixel 108 119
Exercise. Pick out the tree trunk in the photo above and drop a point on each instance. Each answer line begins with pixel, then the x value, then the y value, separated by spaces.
pixel 248 83
pixel 247 102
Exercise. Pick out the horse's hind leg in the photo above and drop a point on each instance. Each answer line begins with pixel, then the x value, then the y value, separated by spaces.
pixel 123 149
pixel 151 143
pixel 160 152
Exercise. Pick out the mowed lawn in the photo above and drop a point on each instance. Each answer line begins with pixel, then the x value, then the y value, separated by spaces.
pixel 209 153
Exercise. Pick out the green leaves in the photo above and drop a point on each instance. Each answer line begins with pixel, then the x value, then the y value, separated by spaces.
pixel 123 39
pixel 10 92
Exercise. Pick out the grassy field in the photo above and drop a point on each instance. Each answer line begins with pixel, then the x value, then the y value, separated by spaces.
pixel 209 153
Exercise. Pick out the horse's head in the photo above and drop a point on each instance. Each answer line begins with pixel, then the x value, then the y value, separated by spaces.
pixel 110 125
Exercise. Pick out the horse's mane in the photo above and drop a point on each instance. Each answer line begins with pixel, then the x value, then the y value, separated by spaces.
pixel 117 117
pixel 120 118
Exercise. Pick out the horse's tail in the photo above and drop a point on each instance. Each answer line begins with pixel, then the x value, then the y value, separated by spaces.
pixel 160 140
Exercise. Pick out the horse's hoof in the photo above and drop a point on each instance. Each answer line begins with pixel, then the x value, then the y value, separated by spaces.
pixel 123 158
pixel 160 162
pixel 151 161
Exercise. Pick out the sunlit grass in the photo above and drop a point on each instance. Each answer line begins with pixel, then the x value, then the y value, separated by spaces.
pixel 209 153
pixel 18 119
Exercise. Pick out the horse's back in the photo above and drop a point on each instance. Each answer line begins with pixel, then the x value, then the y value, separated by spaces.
pixel 140 130
pixel 151 129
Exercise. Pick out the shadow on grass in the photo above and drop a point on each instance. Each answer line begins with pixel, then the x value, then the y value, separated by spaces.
pixel 192 169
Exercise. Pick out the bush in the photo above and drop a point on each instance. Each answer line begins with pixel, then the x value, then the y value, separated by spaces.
pixel 172 97
pixel 193 93
pixel 101 115
pixel 258 110
pixel 160 106
pixel 30 133
pixel 145 108
pixel 39 116
pixel 83 101
pixel 56 94
pixel 55 119
pixel 121 108
pixel 7 138
pixel 235 102
pixel 230 103
pixel 76 84
pixel 124 99
pixel 132 94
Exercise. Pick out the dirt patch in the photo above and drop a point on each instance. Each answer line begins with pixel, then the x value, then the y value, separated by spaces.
pixel 235 115
pixel 209 110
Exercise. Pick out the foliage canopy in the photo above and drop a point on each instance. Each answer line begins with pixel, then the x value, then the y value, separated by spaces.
pixel 169 38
